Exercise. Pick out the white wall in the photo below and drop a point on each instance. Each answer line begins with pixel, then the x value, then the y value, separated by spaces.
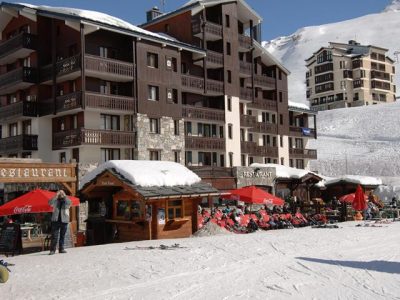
pixel 232 117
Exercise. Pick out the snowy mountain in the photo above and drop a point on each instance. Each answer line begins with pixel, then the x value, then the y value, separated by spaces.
pixel 359 141
pixel 381 29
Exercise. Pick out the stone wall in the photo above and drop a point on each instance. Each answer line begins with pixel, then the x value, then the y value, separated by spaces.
pixel 166 142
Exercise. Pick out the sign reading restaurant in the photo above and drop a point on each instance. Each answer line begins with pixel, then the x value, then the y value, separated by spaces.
pixel 246 176
pixel 37 172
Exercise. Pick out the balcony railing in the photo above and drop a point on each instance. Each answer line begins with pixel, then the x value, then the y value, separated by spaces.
pixel 252 148
pixel 111 66
pixel 196 84
pixel 264 81
pixel 81 136
pixel 201 113
pixel 19 109
pixel 68 65
pixel 215 58
pixel 380 85
pixel 24 74
pixel 21 41
pixel 110 102
pixel 303 153
pixel 380 75
pixel 210 28
pixel 245 68
pixel 244 41
pixel 19 143
pixel 69 101
pixel 302 131
pixel 264 104
pixel 247 121
pixel 204 143
pixel 262 127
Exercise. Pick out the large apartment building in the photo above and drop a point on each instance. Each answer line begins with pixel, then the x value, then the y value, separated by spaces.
pixel 193 86
pixel 348 75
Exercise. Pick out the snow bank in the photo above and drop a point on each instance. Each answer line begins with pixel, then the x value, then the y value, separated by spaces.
pixel 210 229
pixel 394 6
pixel 147 173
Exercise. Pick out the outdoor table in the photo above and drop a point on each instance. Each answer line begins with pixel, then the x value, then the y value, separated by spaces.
pixel 27 229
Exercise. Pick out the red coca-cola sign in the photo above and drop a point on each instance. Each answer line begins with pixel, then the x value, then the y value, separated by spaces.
pixel 22 210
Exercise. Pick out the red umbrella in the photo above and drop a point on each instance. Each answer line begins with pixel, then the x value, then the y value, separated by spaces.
pixel 255 195
pixel 349 198
pixel 35 201
pixel 359 202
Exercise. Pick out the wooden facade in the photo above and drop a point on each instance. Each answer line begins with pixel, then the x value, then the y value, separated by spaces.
pixel 133 215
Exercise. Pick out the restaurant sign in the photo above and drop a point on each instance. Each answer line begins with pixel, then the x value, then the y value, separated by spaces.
pixel 246 176
pixel 37 172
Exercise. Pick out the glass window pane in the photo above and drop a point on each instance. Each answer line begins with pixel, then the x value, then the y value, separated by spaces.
pixel 170 213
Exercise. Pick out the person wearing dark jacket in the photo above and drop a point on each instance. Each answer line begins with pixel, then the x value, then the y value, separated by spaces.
pixel 59 220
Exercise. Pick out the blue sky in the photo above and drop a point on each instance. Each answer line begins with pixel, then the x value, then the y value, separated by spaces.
pixel 281 17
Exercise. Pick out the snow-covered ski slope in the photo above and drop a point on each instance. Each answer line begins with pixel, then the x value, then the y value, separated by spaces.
pixel 345 263
pixel 380 29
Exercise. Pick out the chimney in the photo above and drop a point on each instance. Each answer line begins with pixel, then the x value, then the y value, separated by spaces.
pixel 153 13
pixel 354 43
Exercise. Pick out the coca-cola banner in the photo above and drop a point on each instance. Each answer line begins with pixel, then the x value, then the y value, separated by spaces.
pixel 23 210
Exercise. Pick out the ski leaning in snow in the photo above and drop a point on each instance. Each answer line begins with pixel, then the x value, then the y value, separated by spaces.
pixel 4 271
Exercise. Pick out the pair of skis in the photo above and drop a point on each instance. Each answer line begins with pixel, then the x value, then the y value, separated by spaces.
pixel 161 247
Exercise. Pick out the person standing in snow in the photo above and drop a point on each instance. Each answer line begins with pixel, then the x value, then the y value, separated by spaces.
pixel 59 220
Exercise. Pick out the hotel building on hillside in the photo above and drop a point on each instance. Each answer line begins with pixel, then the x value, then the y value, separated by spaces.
pixel 348 75
pixel 193 86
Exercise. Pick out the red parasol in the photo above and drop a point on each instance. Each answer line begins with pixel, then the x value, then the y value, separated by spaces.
pixel 359 202
pixel 35 201
pixel 255 195
pixel 349 198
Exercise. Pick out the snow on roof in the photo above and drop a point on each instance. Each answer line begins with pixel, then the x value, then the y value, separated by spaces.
pixel 283 171
pixel 97 17
pixel 363 180
pixel 299 105
pixel 147 173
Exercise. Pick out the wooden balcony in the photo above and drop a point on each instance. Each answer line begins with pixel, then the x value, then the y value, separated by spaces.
pixel 261 127
pixel 381 85
pixel 264 104
pixel 108 69
pixel 247 121
pixel 214 59
pixel 69 102
pixel 110 102
pixel 264 82
pixel 246 94
pixel 302 131
pixel 196 85
pixel 245 68
pixel 244 42
pixel 18 79
pixel 212 30
pixel 19 46
pixel 204 143
pixel 81 136
pixel 66 69
pixel 202 113
pixel 18 144
pixel 380 75
pixel 21 109
pixel 303 153
pixel 253 149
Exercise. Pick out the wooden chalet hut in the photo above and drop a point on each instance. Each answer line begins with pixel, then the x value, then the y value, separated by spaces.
pixel 142 200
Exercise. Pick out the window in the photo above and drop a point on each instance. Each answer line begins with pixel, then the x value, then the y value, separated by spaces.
pixel 243 160
pixel 152 60
pixel 154 125
pixel 274 119
pixel 13 129
pixel 265 117
pixel 109 154
pixel 281 119
pixel 171 63
pixel 221 132
pixel 108 122
pixel 228 48
pixel 227 21
pixel 176 127
pixel 62 157
pixel 229 104
pixel 154 155
pixel 230 134
pixel 222 160
pixel 280 75
pixel 251 160
pixel 188 158
pixel 229 74
pixel 154 93
pixel 282 161
pixel 177 156
pixel 172 96
pixel 250 137
pixel 230 159
pixel 175 209
pixel 242 139
pixel 274 141
pixel 291 163
pixel 299 164
pixel 280 96
pixel 281 141
pixel 188 128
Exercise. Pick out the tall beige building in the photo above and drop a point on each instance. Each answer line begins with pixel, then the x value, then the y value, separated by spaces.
pixel 348 75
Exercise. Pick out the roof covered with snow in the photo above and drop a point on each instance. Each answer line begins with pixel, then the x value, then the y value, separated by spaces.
pixel 97 18
pixel 301 107
pixel 284 171
pixel 362 180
